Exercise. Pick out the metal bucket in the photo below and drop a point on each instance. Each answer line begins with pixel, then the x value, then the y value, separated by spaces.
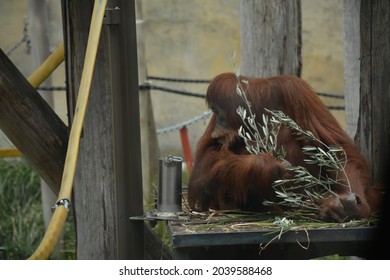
pixel 169 188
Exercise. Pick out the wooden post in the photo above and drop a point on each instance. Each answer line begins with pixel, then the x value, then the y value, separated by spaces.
pixel 107 189
pixel 351 64
pixel 373 129
pixel 270 37
pixel 374 118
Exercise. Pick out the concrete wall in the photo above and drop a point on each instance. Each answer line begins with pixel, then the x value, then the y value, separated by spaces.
pixel 194 39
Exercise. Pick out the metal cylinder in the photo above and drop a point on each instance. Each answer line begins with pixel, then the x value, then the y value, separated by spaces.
pixel 169 188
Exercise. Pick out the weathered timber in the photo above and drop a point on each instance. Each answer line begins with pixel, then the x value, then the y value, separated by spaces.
pixel 373 129
pixel 270 37
pixel 351 12
pixel 93 192
pixel 374 118
pixel 108 179
pixel 32 126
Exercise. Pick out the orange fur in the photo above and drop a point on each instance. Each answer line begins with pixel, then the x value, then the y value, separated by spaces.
pixel 226 176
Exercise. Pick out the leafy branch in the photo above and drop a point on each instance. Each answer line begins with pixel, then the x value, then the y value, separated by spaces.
pixel 303 190
pixel 256 142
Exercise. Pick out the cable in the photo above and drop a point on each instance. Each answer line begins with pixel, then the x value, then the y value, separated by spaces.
pixel 177 80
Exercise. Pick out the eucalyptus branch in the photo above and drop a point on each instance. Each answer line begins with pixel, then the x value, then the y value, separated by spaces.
pixel 303 190
pixel 257 142
pixel 327 158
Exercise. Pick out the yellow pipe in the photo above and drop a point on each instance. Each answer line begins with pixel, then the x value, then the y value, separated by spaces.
pixel 53 232
pixel 10 152
pixel 47 67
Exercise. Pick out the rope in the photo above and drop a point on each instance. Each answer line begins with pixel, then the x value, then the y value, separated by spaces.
pixel 331 107
pixel 51 88
pixel 186 93
pixel 331 95
pixel 176 127
pixel 192 94
pixel 176 91
pixel 205 115
pixel 177 80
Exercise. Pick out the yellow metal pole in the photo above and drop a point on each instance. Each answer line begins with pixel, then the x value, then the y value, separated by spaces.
pixel 55 227
pixel 9 152
pixel 47 67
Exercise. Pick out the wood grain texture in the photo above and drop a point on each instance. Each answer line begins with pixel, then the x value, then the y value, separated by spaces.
pixel 32 126
pixel 351 12
pixel 374 120
pixel 270 37
pixel 94 196
pixel 108 182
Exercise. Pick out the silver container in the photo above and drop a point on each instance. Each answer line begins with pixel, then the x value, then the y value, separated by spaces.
pixel 169 188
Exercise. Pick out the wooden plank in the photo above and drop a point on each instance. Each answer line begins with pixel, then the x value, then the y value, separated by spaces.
pixel 248 240
pixel 373 130
pixel 94 193
pixel 374 120
pixel 108 182
pixel 31 125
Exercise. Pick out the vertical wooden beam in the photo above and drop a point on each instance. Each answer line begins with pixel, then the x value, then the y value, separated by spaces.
pixel 94 183
pixel 374 118
pixel 270 37
pixel 108 182
pixel 351 12
pixel 373 130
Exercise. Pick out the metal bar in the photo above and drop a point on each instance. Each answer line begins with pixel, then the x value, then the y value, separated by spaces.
pixel 10 152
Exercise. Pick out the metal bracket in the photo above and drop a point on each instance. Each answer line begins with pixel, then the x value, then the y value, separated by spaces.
pixel 112 16
pixel 62 202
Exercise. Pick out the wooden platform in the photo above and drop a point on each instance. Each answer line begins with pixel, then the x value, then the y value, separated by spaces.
pixel 224 237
